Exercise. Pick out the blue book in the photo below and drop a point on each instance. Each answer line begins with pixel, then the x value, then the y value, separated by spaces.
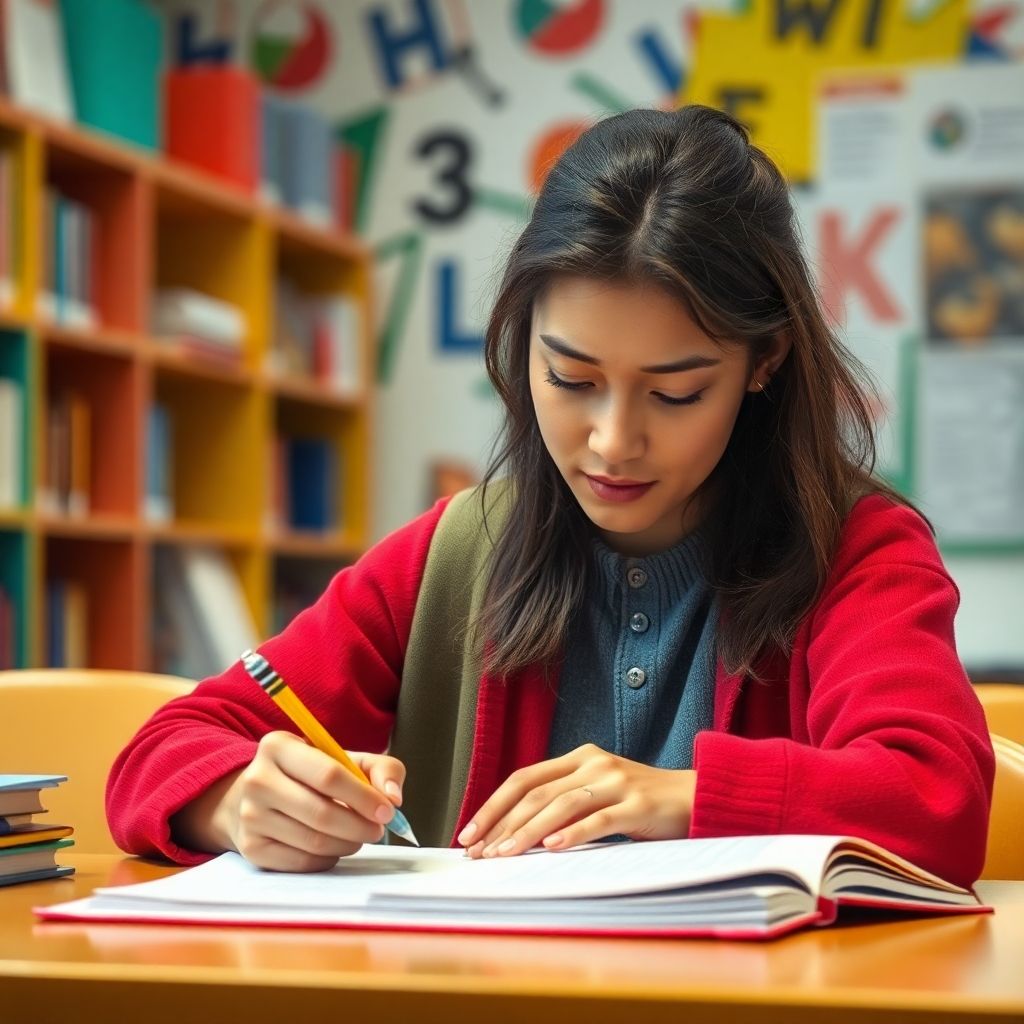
pixel 13 782
pixel 312 473
pixel 159 505
pixel 272 113
pixel 306 154
pixel 55 624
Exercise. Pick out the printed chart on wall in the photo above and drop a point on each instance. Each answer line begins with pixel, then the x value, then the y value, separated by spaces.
pixel 929 164
pixel 969 138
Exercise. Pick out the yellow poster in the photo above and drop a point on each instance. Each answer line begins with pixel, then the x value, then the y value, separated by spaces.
pixel 762 63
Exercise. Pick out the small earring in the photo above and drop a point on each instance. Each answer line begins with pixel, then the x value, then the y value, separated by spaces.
pixel 760 386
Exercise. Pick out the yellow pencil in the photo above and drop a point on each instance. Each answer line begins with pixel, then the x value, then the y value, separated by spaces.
pixel 287 700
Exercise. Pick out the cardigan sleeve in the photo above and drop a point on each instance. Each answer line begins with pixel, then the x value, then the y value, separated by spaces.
pixel 893 744
pixel 343 656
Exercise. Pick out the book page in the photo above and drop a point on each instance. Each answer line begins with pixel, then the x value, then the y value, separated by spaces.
pixel 230 880
pixel 604 869
pixel 608 869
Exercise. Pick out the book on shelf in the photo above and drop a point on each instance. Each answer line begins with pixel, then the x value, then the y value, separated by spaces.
pixel 270 189
pixel 158 504
pixel 34 57
pixel 66 486
pixel 28 848
pixel 67 624
pixel 114 63
pixel 212 121
pixel 8 630
pixel 317 336
pixel 201 613
pixel 8 229
pixel 189 312
pixel 345 164
pixel 311 476
pixel 307 172
pixel 748 887
pixel 68 295
pixel 12 437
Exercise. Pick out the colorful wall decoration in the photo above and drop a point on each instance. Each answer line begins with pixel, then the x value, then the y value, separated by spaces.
pixel 452 110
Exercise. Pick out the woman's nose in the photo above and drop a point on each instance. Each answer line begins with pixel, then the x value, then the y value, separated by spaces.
pixel 617 434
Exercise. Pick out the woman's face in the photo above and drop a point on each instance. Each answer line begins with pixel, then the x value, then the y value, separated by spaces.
pixel 635 404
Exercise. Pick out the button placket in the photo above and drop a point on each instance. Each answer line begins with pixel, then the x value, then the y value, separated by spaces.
pixel 639 593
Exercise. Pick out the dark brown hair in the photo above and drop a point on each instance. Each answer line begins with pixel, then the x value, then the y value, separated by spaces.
pixel 680 199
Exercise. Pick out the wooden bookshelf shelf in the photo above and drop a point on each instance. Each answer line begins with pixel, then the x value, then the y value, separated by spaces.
pixel 315 392
pixel 88 527
pixel 108 340
pixel 117 423
pixel 218 535
pixel 14 518
pixel 176 358
pixel 299 544
pixel 297 235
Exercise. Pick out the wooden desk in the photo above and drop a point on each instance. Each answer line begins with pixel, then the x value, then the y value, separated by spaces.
pixel 952 969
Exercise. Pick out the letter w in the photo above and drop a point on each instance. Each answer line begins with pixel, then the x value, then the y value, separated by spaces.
pixel 790 14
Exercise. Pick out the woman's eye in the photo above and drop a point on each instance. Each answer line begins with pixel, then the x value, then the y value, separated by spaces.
pixel 557 382
pixel 686 400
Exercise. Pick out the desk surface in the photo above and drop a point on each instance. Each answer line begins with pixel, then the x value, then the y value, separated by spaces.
pixel 946 969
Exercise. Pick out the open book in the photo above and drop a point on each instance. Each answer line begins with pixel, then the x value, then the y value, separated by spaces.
pixel 746 887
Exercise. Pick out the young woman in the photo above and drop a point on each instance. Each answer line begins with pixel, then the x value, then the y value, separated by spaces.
pixel 687 609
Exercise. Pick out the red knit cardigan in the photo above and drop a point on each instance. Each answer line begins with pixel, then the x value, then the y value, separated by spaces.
pixel 867 727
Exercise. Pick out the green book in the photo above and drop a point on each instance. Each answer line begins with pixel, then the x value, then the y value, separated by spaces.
pixel 115 54
pixel 32 861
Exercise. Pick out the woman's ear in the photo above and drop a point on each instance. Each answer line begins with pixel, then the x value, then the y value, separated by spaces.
pixel 768 363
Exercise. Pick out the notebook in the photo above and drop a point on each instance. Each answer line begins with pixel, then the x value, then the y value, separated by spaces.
pixel 742 887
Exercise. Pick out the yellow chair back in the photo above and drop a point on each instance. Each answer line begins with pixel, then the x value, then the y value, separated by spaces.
pixel 74 722
pixel 1004 708
pixel 1005 854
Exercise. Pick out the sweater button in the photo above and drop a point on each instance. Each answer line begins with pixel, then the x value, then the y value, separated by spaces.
pixel 638 622
pixel 635 678
pixel 636 577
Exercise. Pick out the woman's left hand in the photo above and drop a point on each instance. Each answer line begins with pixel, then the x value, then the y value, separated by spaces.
pixel 582 796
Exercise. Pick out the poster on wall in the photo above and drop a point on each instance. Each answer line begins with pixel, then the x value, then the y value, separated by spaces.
pixel 860 227
pixel 931 163
pixel 967 127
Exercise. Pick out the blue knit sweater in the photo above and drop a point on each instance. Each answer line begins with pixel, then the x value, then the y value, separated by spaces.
pixel 638 677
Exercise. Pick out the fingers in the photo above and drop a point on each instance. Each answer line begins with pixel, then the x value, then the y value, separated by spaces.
pixel 582 796
pixel 324 775
pixel 523 789
pixel 296 809
pixel 386 774
pixel 576 811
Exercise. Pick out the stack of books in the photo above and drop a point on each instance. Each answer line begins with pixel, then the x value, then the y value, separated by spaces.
pixel 28 848
pixel 199 323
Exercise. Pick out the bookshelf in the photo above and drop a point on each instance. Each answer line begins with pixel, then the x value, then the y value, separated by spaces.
pixel 161 224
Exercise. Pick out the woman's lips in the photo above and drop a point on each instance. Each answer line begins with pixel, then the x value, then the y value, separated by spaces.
pixel 608 491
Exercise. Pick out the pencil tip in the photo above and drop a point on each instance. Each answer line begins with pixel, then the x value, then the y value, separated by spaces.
pixel 399 824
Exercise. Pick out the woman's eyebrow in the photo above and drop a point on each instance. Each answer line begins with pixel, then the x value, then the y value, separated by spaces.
pixel 560 346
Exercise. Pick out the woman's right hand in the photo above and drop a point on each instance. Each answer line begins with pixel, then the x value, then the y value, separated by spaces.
pixel 293 807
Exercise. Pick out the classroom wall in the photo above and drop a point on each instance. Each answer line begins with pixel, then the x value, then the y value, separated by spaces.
pixel 455 106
